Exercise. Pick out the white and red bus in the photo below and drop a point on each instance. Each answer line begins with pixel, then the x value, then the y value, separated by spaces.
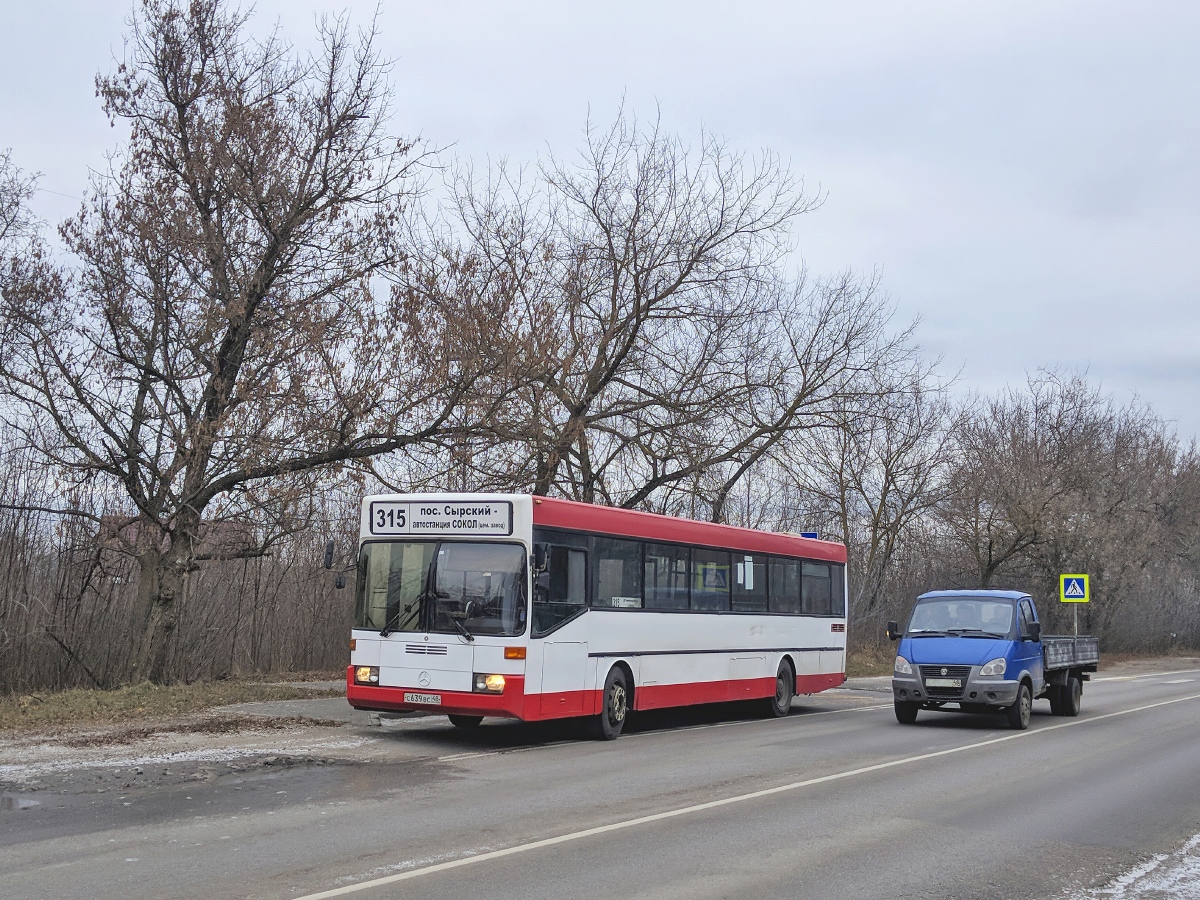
pixel 534 608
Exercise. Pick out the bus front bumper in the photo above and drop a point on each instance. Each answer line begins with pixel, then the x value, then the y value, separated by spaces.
pixel 509 705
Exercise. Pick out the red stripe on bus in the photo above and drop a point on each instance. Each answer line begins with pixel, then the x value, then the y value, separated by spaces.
pixel 661 696
pixel 515 704
pixel 554 513
pixel 814 684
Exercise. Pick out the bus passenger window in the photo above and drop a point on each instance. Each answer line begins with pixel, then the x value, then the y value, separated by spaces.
pixel 666 576
pixel 749 583
pixel 816 589
pixel 618 573
pixel 561 590
pixel 838 589
pixel 710 579
pixel 785 586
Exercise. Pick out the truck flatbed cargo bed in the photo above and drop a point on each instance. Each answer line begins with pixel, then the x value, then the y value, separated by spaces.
pixel 1070 652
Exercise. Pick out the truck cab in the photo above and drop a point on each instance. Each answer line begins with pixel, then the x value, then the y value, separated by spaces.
pixel 983 651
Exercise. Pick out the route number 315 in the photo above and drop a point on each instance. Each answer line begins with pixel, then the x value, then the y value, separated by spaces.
pixel 390 518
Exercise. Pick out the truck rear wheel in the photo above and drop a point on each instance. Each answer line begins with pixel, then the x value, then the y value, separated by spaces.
pixel 1072 693
pixel 1055 693
pixel 1018 713
pixel 906 712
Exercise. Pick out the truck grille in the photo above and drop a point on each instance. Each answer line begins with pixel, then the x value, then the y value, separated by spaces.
pixel 962 673
pixel 425 649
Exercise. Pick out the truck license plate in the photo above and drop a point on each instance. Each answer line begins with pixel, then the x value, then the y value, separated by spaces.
pixel 943 682
pixel 433 699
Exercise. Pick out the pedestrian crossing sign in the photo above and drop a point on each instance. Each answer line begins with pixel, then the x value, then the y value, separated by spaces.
pixel 1073 589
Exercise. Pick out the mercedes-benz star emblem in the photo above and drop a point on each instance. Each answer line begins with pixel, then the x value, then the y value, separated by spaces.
pixel 423 679
pixel 944 672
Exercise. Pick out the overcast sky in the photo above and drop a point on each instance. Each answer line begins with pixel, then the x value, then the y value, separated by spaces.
pixel 1025 176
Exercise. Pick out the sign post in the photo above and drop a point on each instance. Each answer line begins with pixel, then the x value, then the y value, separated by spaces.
pixel 1074 589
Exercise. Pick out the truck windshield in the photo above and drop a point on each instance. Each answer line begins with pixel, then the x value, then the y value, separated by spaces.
pixel 962 615
pixel 441 587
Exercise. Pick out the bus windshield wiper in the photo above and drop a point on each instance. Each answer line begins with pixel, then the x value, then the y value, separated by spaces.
pixel 462 629
pixel 387 629
pixel 930 633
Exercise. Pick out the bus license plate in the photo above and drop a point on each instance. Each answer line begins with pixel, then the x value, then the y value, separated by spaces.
pixel 432 699
pixel 943 682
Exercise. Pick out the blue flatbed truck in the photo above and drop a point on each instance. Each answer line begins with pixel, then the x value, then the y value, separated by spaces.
pixel 984 652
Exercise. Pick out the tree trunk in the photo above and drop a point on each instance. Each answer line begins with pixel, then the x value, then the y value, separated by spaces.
pixel 159 585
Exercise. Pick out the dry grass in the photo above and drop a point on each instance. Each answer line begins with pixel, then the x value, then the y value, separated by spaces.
pixel 141 701
pixel 869 661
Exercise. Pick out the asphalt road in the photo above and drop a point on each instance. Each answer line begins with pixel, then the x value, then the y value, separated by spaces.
pixel 837 800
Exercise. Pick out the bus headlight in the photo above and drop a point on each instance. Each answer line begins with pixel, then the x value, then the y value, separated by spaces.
pixel 489 684
pixel 902 666
pixel 995 667
pixel 366 675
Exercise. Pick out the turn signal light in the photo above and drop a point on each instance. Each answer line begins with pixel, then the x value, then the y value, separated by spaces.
pixel 353 644
pixel 366 675
pixel 514 652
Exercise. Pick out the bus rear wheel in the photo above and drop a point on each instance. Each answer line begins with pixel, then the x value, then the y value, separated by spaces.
pixel 780 705
pixel 607 726
pixel 465 721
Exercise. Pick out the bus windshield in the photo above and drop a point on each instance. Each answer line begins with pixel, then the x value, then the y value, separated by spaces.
pixel 443 587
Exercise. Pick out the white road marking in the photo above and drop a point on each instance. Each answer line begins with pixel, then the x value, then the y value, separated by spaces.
pixel 716 804
pixel 1180 681
pixel 1147 675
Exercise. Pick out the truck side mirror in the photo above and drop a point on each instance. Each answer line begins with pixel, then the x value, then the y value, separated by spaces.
pixel 893 631
pixel 329 554
pixel 1035 631
pixel 339 581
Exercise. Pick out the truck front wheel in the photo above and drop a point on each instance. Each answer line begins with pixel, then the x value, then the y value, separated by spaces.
pixel 1018 713
pixel 906 713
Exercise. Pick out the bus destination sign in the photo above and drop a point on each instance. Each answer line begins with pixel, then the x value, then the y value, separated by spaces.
pixel 445 517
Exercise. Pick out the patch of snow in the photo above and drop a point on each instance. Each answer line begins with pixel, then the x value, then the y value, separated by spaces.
pixel 1167 876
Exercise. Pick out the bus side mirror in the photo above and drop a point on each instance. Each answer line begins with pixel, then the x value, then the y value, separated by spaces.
pixel 329 554
pixel 541 558
pixel 1035 631
pixel 339 581
pixel 893 631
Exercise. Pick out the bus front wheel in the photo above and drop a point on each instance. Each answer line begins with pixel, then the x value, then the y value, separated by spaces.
pixel 465 721
pixel 607 726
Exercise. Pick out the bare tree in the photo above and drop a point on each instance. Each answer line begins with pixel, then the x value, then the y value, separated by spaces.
pixel 1019 466
pixel 879 472
pixel 641 295
pixel 222 340
pixel 17 222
